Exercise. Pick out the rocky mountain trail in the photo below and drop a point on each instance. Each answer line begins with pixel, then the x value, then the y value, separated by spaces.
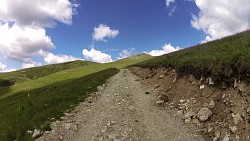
pixel 123 109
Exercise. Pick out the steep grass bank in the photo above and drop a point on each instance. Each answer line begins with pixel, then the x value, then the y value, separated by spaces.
pixel 222 59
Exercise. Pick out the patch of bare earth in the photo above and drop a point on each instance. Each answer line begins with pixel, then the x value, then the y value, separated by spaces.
pixel 122 110
pixel 221 112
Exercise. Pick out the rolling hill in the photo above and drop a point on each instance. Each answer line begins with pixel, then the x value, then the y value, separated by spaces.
pixel 43 94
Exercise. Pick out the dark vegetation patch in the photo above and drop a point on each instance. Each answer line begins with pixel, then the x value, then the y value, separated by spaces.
pixel 5 83
pixel 222 59
pixel 35 109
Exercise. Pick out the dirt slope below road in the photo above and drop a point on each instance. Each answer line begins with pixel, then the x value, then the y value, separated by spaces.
pixel 121 111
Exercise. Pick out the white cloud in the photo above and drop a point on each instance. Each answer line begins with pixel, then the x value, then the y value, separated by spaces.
pixel 103 32
pixel 126 53
pixel 22 28
pixel 167 48
pixel 41 13
pixel 22 44
pixel 171 5
pixel 31 64
pixel 168 2
pixel 220 18
pixel 96 56
pixel 51 58
pixel 3 68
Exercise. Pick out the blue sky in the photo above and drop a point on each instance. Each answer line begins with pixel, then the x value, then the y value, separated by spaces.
pixel 143 26
pixel 51 31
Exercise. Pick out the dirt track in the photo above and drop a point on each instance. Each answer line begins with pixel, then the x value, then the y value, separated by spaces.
pixel 121 111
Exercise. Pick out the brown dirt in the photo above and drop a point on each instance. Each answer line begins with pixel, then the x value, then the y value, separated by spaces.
pixel 185 95
pixel 122 111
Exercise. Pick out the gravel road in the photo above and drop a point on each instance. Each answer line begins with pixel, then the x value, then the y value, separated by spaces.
pixel 121 111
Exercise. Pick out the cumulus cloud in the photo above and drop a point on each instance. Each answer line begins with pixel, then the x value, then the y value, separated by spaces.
pixel 167 48
pixel 104 32
pixel 22 29
pixel 31 64
pixel 220 18
pixel 126 53
pixel 22 44
pixel 41 13
pixel 96 56
pixel 51 58
pixel 3 68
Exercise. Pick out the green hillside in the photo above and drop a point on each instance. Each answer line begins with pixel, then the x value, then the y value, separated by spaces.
pixel 65 74
pixel 221 59
pixel 45 93
pixel 37 72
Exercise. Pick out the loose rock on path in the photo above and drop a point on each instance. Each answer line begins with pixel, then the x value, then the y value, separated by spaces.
pixel 121 111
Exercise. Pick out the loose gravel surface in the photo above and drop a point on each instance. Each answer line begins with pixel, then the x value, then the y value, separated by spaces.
pixel 121 111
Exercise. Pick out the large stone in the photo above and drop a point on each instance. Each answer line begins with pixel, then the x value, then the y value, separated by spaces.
pixel 37 133
pixel 68 126
pixel 224 136
pixel 210 81
pixel 187 120
pixel 217 135
pixel 202 87
pixel 175 79
pixel 161 76
pixel 204 114
pixel 237 118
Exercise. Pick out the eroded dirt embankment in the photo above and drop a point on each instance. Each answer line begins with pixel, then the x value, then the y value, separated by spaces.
pixel 221 112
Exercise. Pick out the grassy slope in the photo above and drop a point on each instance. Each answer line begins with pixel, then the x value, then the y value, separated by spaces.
pixel 40 106
pixel 37 72
pixel 68 74
pixel 43 98
pixel 224 58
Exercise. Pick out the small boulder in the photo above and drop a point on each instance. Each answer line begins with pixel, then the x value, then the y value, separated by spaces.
pixel 204 114
pixel 146 92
